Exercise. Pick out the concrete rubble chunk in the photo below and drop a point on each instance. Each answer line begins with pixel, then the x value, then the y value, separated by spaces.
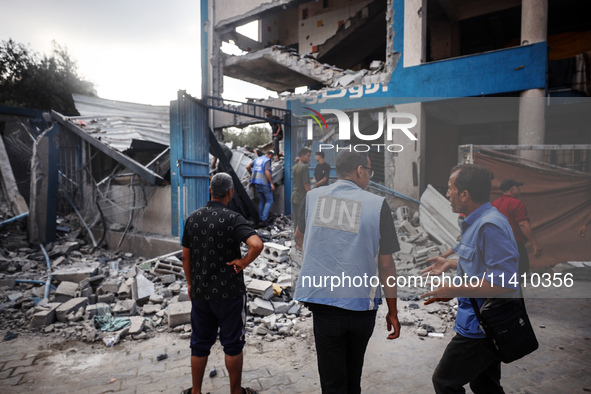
pixel 150 309
pixel 124 291
pixel 167 279
pixel 156 298
pixel 137 325
pixel 110 285
pixel 285 281
pixel 75 274
pixel 142 288
pixel 65 248
pixel 179 313
pixel 68 307
pixel 261 307
pixel 106 298
pixel 46 316
pixel 125 308
pixel 260 288
pixel 280 306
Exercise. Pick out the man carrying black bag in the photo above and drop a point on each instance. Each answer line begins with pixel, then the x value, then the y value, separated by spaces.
pixel 488 262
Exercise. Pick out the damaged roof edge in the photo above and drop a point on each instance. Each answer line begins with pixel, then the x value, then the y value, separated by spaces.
pixel 142 171
pixel 262 11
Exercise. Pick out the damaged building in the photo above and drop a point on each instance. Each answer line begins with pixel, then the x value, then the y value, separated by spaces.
pixel 438 79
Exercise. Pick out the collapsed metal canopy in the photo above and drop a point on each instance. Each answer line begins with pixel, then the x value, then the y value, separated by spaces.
pixel 145 173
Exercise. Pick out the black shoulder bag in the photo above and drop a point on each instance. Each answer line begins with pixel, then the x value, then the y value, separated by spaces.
pixel 507 327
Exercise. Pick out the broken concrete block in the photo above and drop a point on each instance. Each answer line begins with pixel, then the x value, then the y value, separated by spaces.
pixel 142 288
pixel 137 325
pixel 275 252
pixel 110 285
pixel 92 310
pixel 179 313
pixel 74 274
pixel 68 307
pixel 125 308
pixel 294 309
pixel 156 298
pixel 124 291
pixel 167 279
pixel 261 307
pixel 406 247
pixel 45 317
pixel 65 248
pixel 133 272
pixel 150 309
pixel 403 213
pixel 261 330
pixel 284 281
pixel 260 288
pixel 280 306
pixel 106 298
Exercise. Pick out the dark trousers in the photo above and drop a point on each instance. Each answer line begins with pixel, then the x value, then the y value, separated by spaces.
pixel 341 339
pixel 523 258
pixel 468 360
pixel 276 144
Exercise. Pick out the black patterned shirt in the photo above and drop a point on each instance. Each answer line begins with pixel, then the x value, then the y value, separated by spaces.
pixel 213 235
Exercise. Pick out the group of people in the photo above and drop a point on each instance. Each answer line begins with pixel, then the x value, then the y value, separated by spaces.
pixel 347 233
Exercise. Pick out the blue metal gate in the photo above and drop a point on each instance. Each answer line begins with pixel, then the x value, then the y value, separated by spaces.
pixel 189 159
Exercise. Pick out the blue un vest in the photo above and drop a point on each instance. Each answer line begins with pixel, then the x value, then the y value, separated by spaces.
pixel 341 241
pixel 258 171
pixel 471 262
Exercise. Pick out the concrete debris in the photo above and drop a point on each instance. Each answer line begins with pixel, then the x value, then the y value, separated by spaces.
pixel 153 293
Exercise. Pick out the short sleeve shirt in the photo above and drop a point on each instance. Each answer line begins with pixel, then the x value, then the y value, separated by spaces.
pixel 213 234
pixel 515 211
pixel 300 178
pixel 322 171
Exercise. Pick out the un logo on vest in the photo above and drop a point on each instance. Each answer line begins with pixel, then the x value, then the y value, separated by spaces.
pixel 338 213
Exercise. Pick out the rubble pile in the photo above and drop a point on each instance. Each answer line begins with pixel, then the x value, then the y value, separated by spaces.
pixel 108 296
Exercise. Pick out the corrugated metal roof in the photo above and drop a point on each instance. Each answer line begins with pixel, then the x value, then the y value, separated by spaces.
pixel 117 123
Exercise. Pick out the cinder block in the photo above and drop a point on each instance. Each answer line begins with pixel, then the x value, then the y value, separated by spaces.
pixel 68 307
pixel 275 252
pixel 179 313
pixel 45 317
pixel 164 267
pixel 65 291
pixel 260 288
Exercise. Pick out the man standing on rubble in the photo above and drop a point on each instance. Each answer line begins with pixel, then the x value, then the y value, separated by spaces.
pixel 343 229
pixel 514 210
pixel 260 169
pixel 276 129
pixel 487 247
pixel 213 267
pixel 301 184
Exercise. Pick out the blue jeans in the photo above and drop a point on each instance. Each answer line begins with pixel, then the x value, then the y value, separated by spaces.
pixel 265 199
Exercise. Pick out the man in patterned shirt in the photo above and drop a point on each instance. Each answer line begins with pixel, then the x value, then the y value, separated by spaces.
pixel 213 267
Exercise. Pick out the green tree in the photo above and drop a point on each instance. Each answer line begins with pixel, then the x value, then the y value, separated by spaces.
pixel 253 136
pixel 47 82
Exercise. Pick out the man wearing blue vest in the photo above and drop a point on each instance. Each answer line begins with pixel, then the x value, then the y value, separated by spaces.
pixel 348 239
pixel 488 262
pixel 260 169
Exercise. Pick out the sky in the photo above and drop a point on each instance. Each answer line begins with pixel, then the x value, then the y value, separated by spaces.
pixel 135 51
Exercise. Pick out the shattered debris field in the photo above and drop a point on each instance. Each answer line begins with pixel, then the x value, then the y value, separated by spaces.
pixel 114 322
